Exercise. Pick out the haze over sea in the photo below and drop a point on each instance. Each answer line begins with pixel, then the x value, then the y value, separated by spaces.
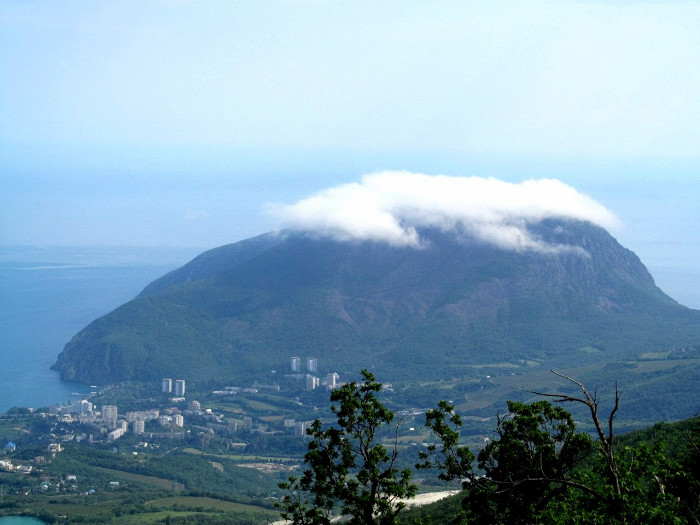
pixel 48 295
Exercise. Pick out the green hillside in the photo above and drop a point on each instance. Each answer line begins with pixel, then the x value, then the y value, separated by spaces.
pixel 407 313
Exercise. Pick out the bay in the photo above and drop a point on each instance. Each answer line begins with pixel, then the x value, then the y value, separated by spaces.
pixel 20 520
pixel 48 295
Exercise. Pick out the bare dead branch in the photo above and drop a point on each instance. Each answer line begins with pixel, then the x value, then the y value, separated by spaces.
pixel 606 442
pixel 508 485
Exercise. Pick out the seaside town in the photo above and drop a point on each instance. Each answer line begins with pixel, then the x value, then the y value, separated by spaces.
pixel 174 417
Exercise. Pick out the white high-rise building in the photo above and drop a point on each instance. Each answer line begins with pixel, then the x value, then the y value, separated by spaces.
pixel 311 382
pixel 300 427
pixel 332 379
pixel 167 385
pixel 138 426
pixel 109 413
pixel 178 420
pixel 296 364
pixel 311 364
pixel 82 407
pixel 179 387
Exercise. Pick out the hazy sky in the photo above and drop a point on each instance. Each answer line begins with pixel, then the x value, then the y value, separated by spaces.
pixel 181 122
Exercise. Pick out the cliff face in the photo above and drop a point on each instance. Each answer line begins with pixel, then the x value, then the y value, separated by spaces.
pixel 399 311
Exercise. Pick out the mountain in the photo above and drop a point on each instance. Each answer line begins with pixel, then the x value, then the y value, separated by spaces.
pixel 400 311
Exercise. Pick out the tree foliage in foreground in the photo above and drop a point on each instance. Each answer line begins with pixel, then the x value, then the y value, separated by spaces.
pixel 531 463
pixel 540 470
pixel 349 471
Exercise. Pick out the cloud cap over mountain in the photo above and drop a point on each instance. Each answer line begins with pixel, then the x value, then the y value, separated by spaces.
pixel 391 206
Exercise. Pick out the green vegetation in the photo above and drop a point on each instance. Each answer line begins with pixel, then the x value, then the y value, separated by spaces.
pixel 96 486
pixel 539 469
pixel 538 466
pixel 457 320
pixel 665 453
pixel 409 314
pixel 350 472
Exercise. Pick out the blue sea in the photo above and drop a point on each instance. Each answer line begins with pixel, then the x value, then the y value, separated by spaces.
pixel 20 520
pixel 48 295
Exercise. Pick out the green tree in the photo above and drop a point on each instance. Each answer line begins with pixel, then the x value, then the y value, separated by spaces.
pixel 530 464
pixel 540 470
pixel 456 461
pixel 349 470
pixel 632 484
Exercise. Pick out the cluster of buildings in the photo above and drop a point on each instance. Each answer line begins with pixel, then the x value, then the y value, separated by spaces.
pixel 23 467
pixel 311 380
pixel 179 387
pixel 298 426
pixel 107 421
pixel 171 419
pixel 79 408
pixel 9 466
pixel 311 364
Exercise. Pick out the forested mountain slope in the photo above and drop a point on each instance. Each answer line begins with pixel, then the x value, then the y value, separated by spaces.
pixel 401 311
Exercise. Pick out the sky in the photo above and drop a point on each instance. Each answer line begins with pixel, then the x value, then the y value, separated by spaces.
pixel 193 124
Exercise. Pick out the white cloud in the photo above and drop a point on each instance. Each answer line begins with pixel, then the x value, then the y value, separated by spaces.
pixel 392 206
